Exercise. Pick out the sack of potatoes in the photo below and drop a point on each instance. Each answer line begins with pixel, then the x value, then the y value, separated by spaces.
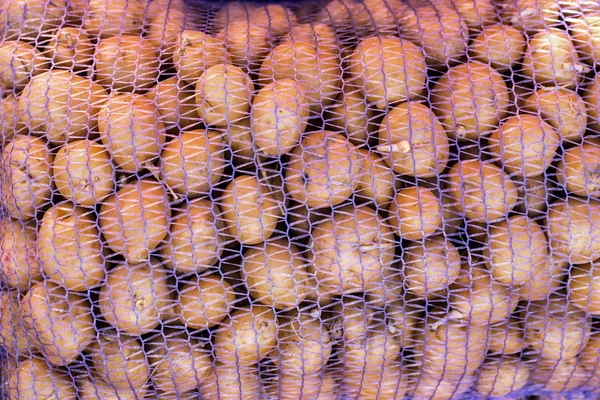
pixel 314 200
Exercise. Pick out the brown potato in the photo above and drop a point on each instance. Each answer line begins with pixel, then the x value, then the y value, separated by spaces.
pixel 292 386
pixel 250 210
pixel 530 16
pixel 26 177
pixel 413 142
pixel 204 301
pixel 556 329
pixel 351 115
pixel 246 336
pixel 534 196
pixel 277 19
pixel 352 318
pixel 69 250
pixel 195 53
pixel 135 220
pixel 481 190
pixel 104 19
pixel 516 248
pixel 566 374
pixel 134 297
pixel 388 70
pixel 403 316
pixel 279 116
pixel 591 98
pixel 379 382
pixel 585 34
pixel 574 229
pixel 377 183
pixel 247 42
pixel 323 170
pixel 196 237
pixel 470 99
pixel 276 275
pixel 70 48
pixel 130 127
pixel 545 280
pixel 20 266
pixel 61 322
pixel 318 34
pixel 562 109
pixel 379 16
pixel 11 123
pixel 551 59
pixel 231 382
pixel 579 169
pixel 61 106
pixel 120 361
pixel 320 72
pixel 13 337
pixel 377 347
pixel 351 249
pixel 176 104
pixel 477 14
pixel 576 8
pixel 440 31
pixel 95 388
pixel 506 337
pixel 440 387
pixel 19 62
pixel 34 379
pixel 165 29
pixel 501 46
pixel 416 213
pixel 584 287
pixel 589 355
pixel 431 266
pixel 238 135
pixel 503 376
pixel 340 14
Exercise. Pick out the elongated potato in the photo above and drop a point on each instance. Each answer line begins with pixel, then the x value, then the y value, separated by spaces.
pixel 377 183
pixel 231 382
pixel 31 21
pixel 390 381
pixel 501 377
pixel 70 48
pixel 501 46
pixel 195 53
pixel 304 386
pixel 579 169
pixel 11 123
pixel 20 267
pixel 176 104
pixel 560 375
pixel 506 337
pixel 320 35
pixel 591 97
pixel 585 33
pixel 247 43
pixel 34 378
pixel 439 387
pixel 530 16
pixel 590 354
pixel 104 19
pixel 13 334
pixel 277 19
pixel 416 213
pixel 96 388
pixel 545 280
pixel 166 28
pixel 584 287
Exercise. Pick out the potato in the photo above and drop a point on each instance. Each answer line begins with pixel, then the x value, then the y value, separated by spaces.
pixel 196 238
pixel 323 170
pixel 351 115
pixel 545 280
pixel 380 382
pixel 440 387
pixel 351 319
pixel 20 266
pixel 69 250
pixel 290 386
pixel 470 99
pixel 26 177
pixel 204 301
pixel 588 357
pixel 250 210
pixel 376 348
pixel 403 315
pixel 530 16
pixel 279 116
pixel 590 98
pixel 440 31
pixel 61 322
pixel 551 60
pixel 477 14
pixel 34 379
pixel 576 8
pixel 556 329
pixel 501 46
pixel 238 135
pixel 61 106
pixel 195 53
pixel 130 127
pixel 579 169
pixel 563 375
pixel 103 19
pixel 70 48
pixel 246 336
pixel 478 299
pixel 353 258
pixel 31 20
pixel 194 162
pixel 506 337
pixel 275 18
pixel 120 361
pixel 585 34
pixel 165 29
pixel 388 70
pixel 481 190
pixel 503 376
pixel 135 219
pixel 96 388
pixel 416 213
pixel 562 109
pixel 231 382
pixel 180 362
pixel 377 182
pixel 19 62
pixel 247 42
pixel 176 104
pixel 276 275
pixel 11 124
pixel 340 14
pixel 413 142
pixel 379 16
pixel 13 337
pixel 230 12
pixel 134 297
pixel 516 248
pixel 321 36
pixel 534 196
pixel 583 290
pixel 574 229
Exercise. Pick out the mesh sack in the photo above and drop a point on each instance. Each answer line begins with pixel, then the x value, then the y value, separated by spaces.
pixel 376 199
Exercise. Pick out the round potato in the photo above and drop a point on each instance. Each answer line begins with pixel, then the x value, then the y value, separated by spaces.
pixel 413 141
pixel 20 266
pixel 231 381
pixel 83 172
pixel 353 258
pixel 579 169
pixel 131 130
pixel 564 375
pixel 440 387
pixel 531 16
pixel 340 14
pixel 70 48
pixel 134 297
pixel 501 46
pixel 481 191
pixel 377 347
pixel 503 376
pixel 591 98
pixel 351 115
pixel 351 319
pixel 247 42
pixel 534 195
pixel 104 19
pixel 291 386
pixel 388 382
pixel 506 337
pixel 585 34
pixel 31 20
pixel 13 336
pixel 470 99
pixel 195 53
pixel 238 136
pixel 61 106
pixel 11 123
pixel 34 379
pixel 590 353
pixel 416 213
pixel 19 62
pixel 176 104
pixel 61 322
pixel 322 36
pixel 69 249
pixel 246 337
pixel 166 28
pixel 477 14
pixel 26 177
pixel 377 182
pixel 545 280
pixel 96 388
pixel 388 70
pixel 277 19
pixel 204 301
pixel 431 266
pixel 583 290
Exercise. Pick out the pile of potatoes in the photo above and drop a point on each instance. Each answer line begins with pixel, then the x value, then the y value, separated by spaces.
pixel 376 199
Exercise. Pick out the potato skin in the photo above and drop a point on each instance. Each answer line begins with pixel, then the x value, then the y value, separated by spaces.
pixel 501 377
pixel 591 97
pixel 69 48
pixel 377 182
pixel 34 379
pixel 579 169
pixel 501 46
pixel 531 16
pixel 195 53
pixel 506 337
pixel 388 381
pixel 584 287
pixel 31 21
pixel 20 267
pixel 176 104
pixel 11 123
pixel 231 382
pixel 304 345
pixel 104 19
pixel 19 62
pixel 247 43
pixel 416 213
pixel 13 336
pixel 96 388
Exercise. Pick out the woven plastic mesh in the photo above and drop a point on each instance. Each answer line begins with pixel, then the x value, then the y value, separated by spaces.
pixel 344 200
